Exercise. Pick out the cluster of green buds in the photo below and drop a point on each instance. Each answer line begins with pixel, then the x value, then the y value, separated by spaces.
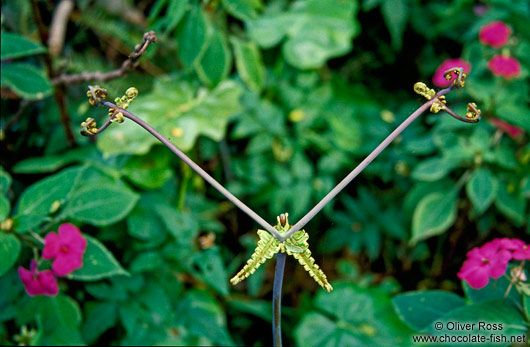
pixel 428 93
pixel 123 102
pixel 96 96
pixel 473 113
pixel 89 127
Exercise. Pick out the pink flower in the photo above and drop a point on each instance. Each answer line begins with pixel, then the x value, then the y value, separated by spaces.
pixel 506 67
pixel 67 249
pixel 483 263
pixel 38 283
pixel 512 130
pixel 439 80
pixel 495 34
pixel 519 249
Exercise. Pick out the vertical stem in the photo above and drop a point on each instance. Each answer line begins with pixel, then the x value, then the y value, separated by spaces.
pixel 277 300
pixel 58 92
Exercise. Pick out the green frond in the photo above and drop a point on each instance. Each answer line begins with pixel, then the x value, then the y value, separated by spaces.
pixel 267 247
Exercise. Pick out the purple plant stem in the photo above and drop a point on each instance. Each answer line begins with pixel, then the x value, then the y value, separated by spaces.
pixel 339 187
pixel 277 300
pixel 197 169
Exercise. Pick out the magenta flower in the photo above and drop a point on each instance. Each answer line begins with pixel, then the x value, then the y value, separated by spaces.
pixel 512 130
pixel 66 248
pixel 38 283
pixel 438 78
pixel 506 67
pixel 495 34
pixel 484 262
pixel 519 249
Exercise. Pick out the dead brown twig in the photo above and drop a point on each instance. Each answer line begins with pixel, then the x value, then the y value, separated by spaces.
pixel 129 64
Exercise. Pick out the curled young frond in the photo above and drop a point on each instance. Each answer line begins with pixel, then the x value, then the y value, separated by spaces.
pixel 422 89
pixel 89 127
pixel 96 94
pixel 460 79
pixel 473 111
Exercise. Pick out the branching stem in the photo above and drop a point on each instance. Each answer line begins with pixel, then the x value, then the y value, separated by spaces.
pixel 197 169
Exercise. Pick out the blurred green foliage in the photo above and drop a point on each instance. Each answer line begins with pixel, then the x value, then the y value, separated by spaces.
pixel 278 100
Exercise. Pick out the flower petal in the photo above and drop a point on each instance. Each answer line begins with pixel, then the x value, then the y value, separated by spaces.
pixel 63 265
pixel 48 283
pixel 478 279
pixel 32 285
pixel 52 244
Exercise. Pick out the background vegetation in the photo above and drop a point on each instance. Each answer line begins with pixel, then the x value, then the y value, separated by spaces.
pixel 278 100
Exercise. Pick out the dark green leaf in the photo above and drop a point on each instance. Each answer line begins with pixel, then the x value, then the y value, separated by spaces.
pixel 101 205
pixel 488 312
pixel 419 309
pixel 59 319
pixel 5 207
pixel 147 261
pixel 192 36
pixel 5 181
pixel 395 14
pixel 481 189
pixel 39 197
pixel 98 263
pixel 17 46
pixel 25 80
pixel 212 270
pixel 202 316
pixel 99 317
pixel 242 9
pixel 216 61
pixel 9 251
pixel 511 204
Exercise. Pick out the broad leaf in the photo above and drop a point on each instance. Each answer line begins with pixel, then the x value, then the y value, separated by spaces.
pixel 5 207
pixel 419 309
pixel 98 263
pixel 17 46
pixel 99 317
pixel 26 81
pixel 59 320
pixel 434 214
pixel 354 317
pixel 482 189
pixel 202 316
pixel 39 197
pixel 9 251
pixel 178 110
pixel 316 31
pixel 431 169
pixel 100 205
pixel 511 204
pixel 216 61
pixel 249 63
pixel 395 14
pixel 489 312
pixel 212 270
pixel 242 9
pixel 192 36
